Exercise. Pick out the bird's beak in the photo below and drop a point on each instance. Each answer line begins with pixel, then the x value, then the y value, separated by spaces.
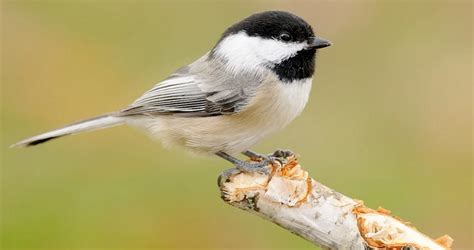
pixel 318 43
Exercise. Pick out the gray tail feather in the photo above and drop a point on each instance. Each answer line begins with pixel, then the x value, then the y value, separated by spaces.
pixel 99 122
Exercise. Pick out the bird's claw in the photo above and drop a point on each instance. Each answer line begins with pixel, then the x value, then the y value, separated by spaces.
pixel 263 161
pixel 283 153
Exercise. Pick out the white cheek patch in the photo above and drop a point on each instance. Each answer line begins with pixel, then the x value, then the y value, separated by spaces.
pixel 245 53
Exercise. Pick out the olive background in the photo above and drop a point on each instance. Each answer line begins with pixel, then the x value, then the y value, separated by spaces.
pixel 389 121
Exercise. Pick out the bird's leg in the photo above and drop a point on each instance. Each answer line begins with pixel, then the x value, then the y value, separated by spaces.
pixel 249 167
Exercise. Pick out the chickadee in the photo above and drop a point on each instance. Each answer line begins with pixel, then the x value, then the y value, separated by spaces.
pixel 253 83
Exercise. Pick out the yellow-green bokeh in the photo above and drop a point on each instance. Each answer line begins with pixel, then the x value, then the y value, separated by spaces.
pixel 389 121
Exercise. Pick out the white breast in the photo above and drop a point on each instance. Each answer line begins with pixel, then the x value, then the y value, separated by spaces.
pixel 282 102
pixel 273 108
pixel 277 104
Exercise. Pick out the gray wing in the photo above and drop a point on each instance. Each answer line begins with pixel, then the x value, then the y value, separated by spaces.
pixel 194 91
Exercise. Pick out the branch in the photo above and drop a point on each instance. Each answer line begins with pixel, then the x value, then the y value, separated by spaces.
pixel 288 197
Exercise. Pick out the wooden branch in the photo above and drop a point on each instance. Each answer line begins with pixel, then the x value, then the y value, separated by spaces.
pixel 288 197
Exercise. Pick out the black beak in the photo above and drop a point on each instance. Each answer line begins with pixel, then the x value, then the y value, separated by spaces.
pixel 318 43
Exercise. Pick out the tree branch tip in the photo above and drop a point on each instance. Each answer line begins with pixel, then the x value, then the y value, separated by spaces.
pixel 445 241
pixel 380 229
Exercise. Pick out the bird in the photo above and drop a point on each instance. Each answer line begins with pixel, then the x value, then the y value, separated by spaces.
pixel 254 81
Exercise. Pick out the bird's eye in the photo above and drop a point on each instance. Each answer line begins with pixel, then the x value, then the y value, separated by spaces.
pixel 285 37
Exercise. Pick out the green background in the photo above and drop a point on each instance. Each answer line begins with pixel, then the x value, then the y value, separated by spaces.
pixel 389 121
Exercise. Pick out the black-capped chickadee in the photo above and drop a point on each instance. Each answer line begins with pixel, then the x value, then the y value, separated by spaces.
pixel 253 83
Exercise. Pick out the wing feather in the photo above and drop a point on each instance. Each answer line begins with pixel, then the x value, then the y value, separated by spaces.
pixel 195 90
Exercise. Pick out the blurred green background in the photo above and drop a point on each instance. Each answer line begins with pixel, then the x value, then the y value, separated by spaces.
pixel 389 121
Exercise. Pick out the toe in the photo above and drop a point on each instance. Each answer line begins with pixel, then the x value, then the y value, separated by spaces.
pixel 283 153
pixel 259 167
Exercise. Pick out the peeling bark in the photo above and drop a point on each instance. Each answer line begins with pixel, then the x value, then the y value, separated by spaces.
pixel 289 197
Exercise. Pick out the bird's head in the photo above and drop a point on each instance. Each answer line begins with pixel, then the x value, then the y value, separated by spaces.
pixel 276 40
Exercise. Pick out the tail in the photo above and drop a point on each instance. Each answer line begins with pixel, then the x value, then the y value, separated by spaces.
pixel 100 122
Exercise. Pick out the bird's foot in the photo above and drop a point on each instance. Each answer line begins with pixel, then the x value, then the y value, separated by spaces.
pixel 260 163
pixel 280 155
pixel 262 166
